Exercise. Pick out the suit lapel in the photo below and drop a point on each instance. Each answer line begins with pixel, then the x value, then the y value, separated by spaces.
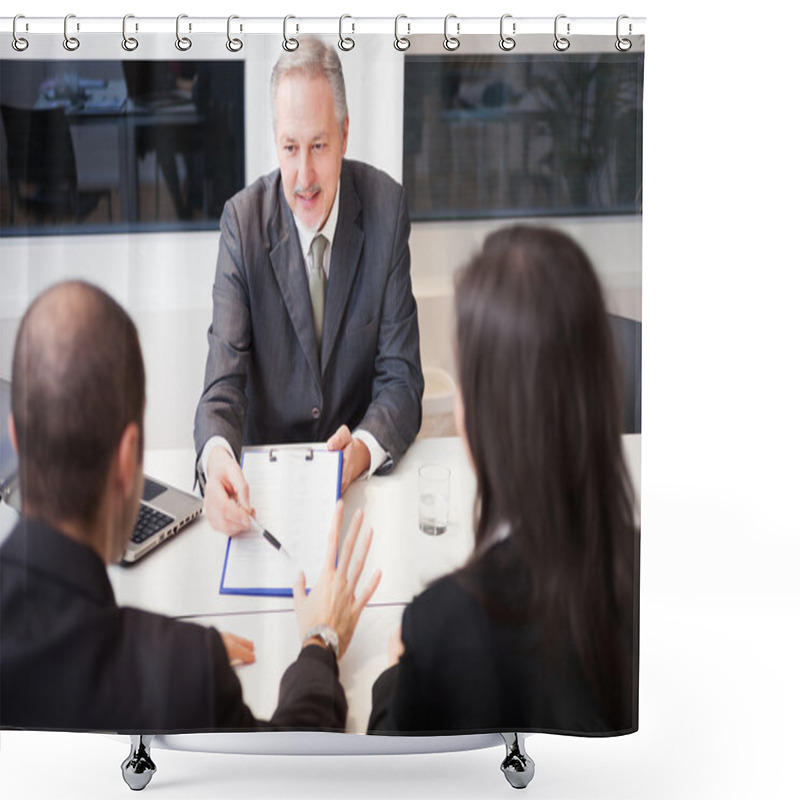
pixel 289 268
pixel 345 258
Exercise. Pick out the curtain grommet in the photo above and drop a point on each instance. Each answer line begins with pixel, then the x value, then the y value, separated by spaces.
pixel 290 44
pixel 233 44
pixel 19 43
pixel 183 43
pixel 451 43
pixel 507 43
pixel 129 43
pixel 622 44
pixel 401 43
pixel 346 43
pixel 71 43
pixel 560 43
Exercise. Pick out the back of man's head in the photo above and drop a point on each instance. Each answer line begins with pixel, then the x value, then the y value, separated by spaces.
pixel 78 380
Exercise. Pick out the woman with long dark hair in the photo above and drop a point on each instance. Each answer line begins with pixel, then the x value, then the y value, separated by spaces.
pixel 537 631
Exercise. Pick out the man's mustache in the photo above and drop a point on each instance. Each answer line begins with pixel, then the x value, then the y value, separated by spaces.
pixel 307 189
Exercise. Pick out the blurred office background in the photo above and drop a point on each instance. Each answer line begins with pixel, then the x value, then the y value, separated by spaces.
pixel 478 138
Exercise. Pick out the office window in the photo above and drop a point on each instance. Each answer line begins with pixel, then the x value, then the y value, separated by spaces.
pixel 523 135
pixel 107 146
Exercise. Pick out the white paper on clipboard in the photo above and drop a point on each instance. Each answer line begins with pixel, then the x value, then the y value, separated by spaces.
pixel 294 493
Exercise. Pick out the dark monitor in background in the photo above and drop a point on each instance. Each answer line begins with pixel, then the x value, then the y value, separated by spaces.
pixel 152 84
pixel 184 119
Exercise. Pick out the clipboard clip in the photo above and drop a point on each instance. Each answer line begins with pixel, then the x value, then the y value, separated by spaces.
pixel 306 452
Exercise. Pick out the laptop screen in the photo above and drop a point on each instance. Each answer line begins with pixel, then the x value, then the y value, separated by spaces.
pixel 8 456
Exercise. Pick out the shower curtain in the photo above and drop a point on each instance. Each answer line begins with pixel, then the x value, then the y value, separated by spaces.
pixel 153 127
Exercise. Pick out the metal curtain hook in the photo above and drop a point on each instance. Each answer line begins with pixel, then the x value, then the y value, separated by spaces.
pixel 451 43
pixel 623 45
pixel 234 45
pixel 507 43
pixel 345 42
pixel 183 43
pixel 70 42
pixel 128 42
pixel 289 44
pixel 561 43
pixel 401 42
pixel 19 43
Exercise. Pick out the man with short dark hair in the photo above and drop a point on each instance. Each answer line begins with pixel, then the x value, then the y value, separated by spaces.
pixel 70 658
pixel 314 335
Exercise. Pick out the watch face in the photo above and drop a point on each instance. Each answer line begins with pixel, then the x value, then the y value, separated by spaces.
pixel 328 635
pixel 331 638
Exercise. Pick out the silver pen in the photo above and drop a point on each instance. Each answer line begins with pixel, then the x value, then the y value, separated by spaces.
pixel 259 528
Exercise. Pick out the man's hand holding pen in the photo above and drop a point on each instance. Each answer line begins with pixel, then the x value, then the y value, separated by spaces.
pixel 227 495
pixel 269 537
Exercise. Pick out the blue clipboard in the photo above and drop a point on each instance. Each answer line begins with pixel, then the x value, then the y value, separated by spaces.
pixel 294 491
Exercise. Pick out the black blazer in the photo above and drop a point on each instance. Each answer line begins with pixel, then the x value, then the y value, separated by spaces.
pixel 71 659
pixel 470 667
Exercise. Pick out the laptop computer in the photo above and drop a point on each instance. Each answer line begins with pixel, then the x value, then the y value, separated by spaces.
pixel 163 510
pixel 9 482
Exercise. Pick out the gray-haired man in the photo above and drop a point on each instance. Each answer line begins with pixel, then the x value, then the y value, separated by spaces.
pixel 311 337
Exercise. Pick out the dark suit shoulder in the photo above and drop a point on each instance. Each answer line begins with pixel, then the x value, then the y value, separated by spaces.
pixel 444 616
pixel 72 659
pixel 376 189
pixel 171 632
pixel 193 664
pixel 254 193
pixel 366 175
pixel 497 573
pixel 256 208
pixel 447 592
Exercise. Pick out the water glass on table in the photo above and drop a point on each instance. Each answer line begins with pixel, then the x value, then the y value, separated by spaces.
pixel 434 498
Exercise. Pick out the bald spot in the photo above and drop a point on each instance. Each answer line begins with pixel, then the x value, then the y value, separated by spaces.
pixel 78 379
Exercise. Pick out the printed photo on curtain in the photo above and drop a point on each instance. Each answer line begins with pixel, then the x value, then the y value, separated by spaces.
pixel 323 362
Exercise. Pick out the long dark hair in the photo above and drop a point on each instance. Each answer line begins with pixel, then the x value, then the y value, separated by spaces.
pixel 543 420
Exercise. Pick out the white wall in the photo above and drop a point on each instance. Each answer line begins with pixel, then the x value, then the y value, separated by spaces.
pixel 438 249
pixel 163 280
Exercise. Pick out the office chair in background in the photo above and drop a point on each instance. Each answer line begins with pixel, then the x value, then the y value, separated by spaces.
pixel 42 172
pixel 627 335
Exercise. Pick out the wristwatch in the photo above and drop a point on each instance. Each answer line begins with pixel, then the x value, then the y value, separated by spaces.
pixel 328 635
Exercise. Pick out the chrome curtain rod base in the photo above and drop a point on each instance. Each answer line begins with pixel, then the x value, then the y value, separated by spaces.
pixel 517 766
pixel 138 768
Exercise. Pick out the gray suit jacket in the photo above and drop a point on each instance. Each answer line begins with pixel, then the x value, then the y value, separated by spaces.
pixel 265 381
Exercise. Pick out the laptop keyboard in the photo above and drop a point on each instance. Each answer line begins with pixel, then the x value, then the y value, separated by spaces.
pixel 149 522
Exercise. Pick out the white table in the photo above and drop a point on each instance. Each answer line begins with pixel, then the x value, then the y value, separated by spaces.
pixel 181 578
